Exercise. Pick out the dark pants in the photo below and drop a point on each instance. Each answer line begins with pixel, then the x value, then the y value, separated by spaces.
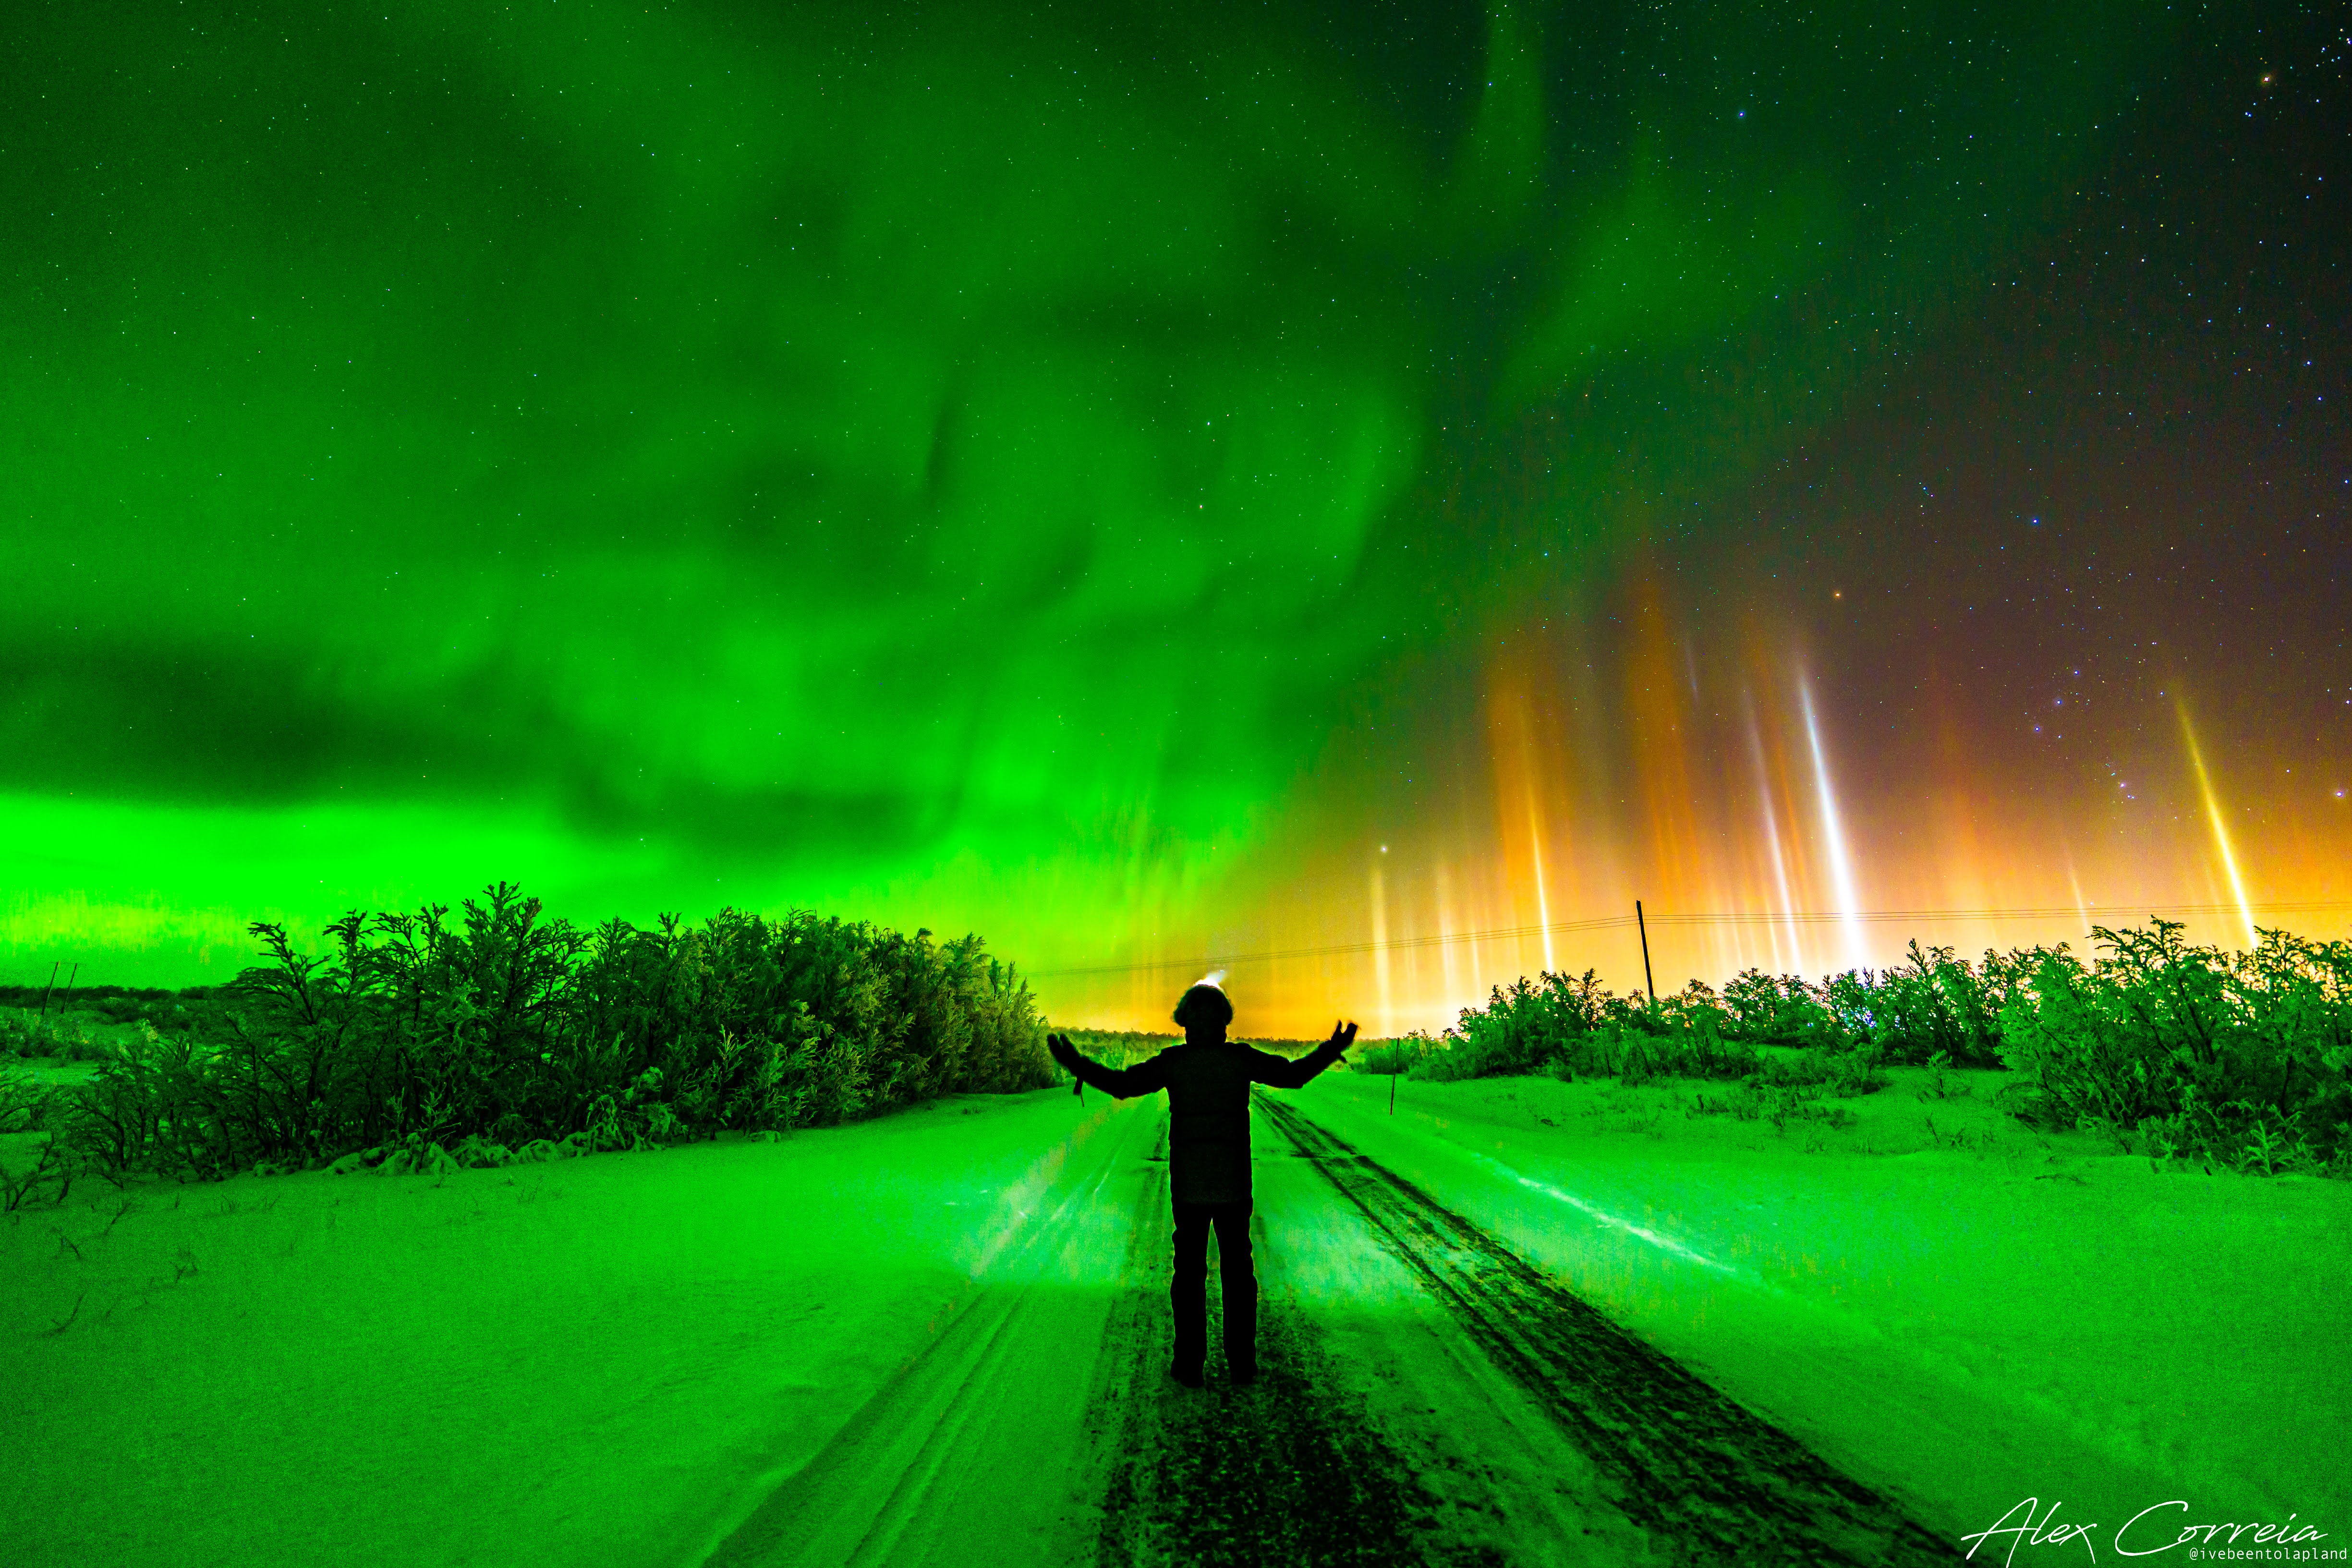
pixel 1190 1293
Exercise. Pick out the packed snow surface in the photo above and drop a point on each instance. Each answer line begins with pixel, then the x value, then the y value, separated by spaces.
pixel 1510 1320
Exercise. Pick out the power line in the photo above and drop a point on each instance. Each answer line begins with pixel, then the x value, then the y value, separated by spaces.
pixel 1202 964
pixel 1227 960
pixel 1882 917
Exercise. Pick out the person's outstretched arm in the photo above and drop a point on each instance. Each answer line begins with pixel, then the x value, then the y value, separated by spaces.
pixel 1126 1083
pixel 1269 1068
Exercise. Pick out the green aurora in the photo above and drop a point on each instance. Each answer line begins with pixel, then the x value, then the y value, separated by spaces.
pixel 964 467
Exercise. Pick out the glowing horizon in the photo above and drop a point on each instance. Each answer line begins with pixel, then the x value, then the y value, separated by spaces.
pixel 1441 919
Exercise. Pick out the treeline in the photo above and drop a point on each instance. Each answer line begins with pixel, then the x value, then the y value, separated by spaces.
pixel 111 999
pixel 1121 1047
pixel 431 1039
pixel 59 1024
pixel 2178 1051
pixel 1126 1046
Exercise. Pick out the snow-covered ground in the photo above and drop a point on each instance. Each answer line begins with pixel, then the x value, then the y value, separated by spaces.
pixel 602 1359
pixel 935 1338
pixel 2019 1316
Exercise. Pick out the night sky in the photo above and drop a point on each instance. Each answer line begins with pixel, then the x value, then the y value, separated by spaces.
pixel 1162 482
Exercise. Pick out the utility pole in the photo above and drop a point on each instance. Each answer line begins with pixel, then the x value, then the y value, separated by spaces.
pixel 52 986
pixel 1644 926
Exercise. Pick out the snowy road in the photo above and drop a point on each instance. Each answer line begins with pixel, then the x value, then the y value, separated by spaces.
pixel 1514 1322
pixel 1429 1396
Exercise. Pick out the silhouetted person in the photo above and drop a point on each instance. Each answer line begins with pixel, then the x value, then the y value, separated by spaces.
pixel 1207 1078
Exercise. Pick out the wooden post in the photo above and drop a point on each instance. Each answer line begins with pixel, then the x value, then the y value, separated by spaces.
pixel 1392 1092
pixel 52 986
pixel 1645 928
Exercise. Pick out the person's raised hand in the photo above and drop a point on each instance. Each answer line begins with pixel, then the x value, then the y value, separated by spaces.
pixel 1343 1036
pixel 1061 1049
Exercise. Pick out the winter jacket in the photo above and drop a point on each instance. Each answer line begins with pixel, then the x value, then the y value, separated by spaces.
pixel 1208 1107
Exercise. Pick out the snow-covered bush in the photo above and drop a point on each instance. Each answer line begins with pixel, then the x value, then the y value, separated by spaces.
pixel 2241 1058
pixel 1573 1027
pixel 2180 1052
pixel 422 1031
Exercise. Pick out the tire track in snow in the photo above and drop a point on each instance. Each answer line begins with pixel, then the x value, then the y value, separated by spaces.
pixel 1286 1471
pixel 912 1475
pixel 1710 1481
